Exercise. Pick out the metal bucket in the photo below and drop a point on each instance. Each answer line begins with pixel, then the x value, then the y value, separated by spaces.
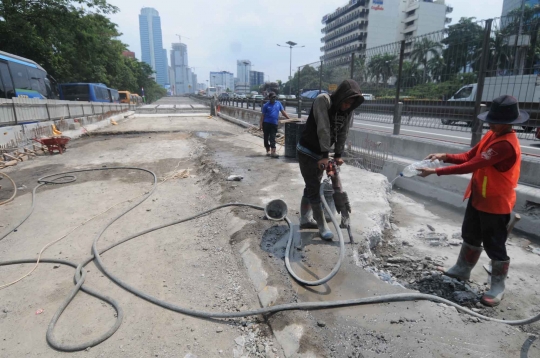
pixel 276 210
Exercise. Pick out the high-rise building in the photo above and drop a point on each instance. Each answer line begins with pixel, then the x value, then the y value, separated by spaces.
pixel 222 79
pixel 179 64
pixel 243 67
pixel 509 5
pixel 152 51
pixel 363 24
pixel 194 83
pixel 256 78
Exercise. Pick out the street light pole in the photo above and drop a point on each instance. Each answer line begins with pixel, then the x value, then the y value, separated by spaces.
pixel 291 46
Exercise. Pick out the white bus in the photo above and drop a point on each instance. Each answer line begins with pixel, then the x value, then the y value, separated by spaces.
pixel 211 91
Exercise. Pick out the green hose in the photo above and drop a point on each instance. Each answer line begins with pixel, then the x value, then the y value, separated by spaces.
pixel 80 275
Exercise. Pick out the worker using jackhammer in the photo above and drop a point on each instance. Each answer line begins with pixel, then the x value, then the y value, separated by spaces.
pixel 327 124
pixel 495 163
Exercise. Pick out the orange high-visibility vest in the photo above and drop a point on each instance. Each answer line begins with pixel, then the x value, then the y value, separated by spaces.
pixel 494 190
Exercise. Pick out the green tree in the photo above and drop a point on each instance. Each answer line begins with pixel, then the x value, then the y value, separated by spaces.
pixel 383 66
pixel 436 68
pixel 461 44
pixel 75 42
pixel 424 50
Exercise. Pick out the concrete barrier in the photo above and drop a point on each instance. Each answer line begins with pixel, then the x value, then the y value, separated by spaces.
pixel 418 148
pixel 16 137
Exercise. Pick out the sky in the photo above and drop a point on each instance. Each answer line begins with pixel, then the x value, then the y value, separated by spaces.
pixel 219 32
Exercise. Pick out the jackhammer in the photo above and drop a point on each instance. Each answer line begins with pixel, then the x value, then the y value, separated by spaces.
pixel 338 198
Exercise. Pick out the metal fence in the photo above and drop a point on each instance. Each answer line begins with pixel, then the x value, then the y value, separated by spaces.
pixel 442 80
pixel 26 110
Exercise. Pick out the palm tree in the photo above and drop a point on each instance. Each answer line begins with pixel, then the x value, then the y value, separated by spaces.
pixel 383 67
pixel 422 51
pixel 436 67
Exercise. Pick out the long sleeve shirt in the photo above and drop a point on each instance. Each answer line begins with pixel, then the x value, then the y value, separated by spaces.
pixel 500 155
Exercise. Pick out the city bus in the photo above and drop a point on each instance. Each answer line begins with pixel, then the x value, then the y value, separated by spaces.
pixel 24 78
pixel 88 92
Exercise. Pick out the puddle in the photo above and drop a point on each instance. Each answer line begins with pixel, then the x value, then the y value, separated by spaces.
pixel 203 134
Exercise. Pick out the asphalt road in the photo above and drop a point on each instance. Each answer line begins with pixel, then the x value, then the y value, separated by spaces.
pixel 528 146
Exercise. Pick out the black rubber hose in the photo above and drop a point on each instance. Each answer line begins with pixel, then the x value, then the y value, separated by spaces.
pixel 80 277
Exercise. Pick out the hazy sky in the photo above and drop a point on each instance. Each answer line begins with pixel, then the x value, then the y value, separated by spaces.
pixel 218 32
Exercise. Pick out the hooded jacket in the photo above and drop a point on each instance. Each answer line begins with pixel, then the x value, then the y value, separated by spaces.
pixel 326 124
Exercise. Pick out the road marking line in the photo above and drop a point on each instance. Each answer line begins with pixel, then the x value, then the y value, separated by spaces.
pixel 410 130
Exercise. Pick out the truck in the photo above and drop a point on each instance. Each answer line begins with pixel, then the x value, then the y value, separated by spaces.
pixel 525 88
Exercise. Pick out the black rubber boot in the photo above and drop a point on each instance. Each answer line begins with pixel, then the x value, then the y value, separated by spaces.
pixel 499 271
pixel 467 259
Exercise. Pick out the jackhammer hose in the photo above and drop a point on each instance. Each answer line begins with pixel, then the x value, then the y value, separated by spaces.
pixel 341 248
pixel 80 275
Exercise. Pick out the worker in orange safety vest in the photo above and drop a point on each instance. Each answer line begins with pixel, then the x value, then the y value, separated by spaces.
pixel 495 163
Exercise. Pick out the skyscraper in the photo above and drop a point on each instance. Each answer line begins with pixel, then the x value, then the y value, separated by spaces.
pixel 179 64
pixel 242 71
pixel 152 51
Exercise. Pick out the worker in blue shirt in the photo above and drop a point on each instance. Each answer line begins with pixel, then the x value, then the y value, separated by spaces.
pixel 269 123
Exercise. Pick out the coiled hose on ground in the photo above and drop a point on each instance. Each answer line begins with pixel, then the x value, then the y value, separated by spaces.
pixel 80 275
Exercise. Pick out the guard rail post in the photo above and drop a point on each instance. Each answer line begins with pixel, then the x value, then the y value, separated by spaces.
pixel 477 125
pixel 397 118
pixel 47 108
pixel 14 111
pixel 398 106
pixel 254 103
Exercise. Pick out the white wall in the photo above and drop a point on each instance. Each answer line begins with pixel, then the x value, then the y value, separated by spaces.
pixel 431 18
pixel 383 23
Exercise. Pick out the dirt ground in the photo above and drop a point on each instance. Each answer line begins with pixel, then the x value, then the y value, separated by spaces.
pixel 232 260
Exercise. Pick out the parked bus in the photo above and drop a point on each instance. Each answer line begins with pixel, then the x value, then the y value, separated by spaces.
pixel 89 92
pixel 115 96
pixel 21 77
pixel 125 97
pixel 211 91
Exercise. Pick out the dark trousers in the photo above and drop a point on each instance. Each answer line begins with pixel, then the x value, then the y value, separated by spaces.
pixel 481 228
pixel 312 177
pixel 269 131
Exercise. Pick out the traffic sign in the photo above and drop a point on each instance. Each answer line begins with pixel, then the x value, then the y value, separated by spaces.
pixel 332 87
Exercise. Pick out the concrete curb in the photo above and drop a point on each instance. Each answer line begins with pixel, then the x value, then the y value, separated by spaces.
pixel 82 130
pixel 236 121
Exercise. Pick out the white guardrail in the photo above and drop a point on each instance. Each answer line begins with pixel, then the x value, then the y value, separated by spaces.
pixel 26 110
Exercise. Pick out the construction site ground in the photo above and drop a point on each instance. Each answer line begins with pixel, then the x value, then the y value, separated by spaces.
pixel 232 260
